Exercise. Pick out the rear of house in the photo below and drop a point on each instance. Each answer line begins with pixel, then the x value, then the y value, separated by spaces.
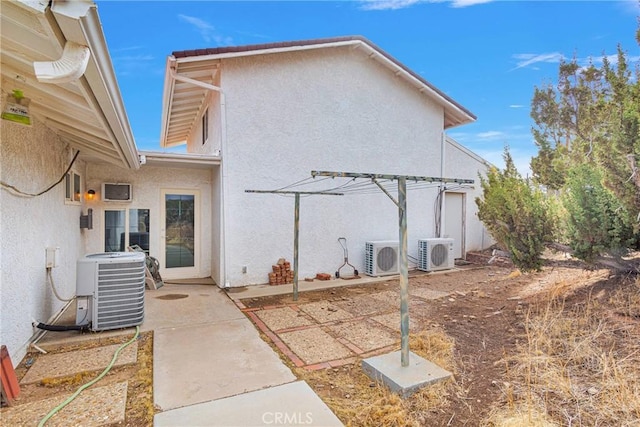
pixel 54 56
pixel 276 112
pixel 252 118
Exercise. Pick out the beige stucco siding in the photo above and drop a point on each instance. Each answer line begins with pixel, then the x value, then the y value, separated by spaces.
pixel 335 110
pixel 33 158
pixel 463 164
pixel 147 183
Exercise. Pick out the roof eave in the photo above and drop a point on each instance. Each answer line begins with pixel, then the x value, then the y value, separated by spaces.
pixel 80 23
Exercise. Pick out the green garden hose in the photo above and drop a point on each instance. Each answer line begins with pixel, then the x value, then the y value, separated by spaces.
pixel 90 383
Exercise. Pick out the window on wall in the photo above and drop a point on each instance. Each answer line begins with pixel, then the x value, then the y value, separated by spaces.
pixel 205 126
pixel 72 187
pixel 126 227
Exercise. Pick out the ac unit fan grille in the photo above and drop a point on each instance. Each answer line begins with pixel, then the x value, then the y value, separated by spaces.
pixel 439 254
pixel 120 295
pixel 386 259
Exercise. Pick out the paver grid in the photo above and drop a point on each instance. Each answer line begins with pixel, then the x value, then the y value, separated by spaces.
pixel 333 333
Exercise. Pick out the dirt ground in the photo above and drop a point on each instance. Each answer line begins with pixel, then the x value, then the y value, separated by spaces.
pixel 484 313
pixel 480 314
pixel 139 407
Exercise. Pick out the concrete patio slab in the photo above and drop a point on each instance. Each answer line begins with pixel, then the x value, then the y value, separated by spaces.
pixel 198 363
pixel 405 381
pixel 205 304
pixel 202 304
pixel 93 359
pixel 392 321
pixel 95 406
pixel 364 305
pixel 291 404
pixel 314 345
pixel 365 335
pixel 325 311
pixel 257 291
pixel 283 318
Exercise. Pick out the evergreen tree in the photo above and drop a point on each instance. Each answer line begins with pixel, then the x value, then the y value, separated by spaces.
pixel 515 214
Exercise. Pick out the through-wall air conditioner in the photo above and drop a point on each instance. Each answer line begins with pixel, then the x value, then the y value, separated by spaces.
pixel 435 254
pixel 110 290
pixel 381 258
pixel 112 192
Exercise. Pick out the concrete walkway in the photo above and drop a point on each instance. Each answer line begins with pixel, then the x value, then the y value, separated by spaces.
pixel 211 368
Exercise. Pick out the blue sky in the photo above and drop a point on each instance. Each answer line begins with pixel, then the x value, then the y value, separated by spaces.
pixel 487 55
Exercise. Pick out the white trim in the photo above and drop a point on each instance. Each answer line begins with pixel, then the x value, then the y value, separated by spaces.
pixel 468 152
pixel 181 272
pixel 80 23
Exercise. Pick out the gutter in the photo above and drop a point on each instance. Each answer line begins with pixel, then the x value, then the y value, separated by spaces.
pixel 79 22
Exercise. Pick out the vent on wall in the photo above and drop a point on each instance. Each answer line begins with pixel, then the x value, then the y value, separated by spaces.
pixel 116 192
pixel 435 254
pixel 110 290
pixel 381 258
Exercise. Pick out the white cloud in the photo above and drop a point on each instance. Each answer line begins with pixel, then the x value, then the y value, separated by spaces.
pixel 491 135
pixel 387 4
pixel 516 106
pixel 206 30
pixel 527 59
pixel 466 3
pixel 403 4
pixel 629 6
pixel 132 64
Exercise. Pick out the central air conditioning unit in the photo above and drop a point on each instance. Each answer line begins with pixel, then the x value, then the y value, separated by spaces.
pixel 435 254
pixel 381 258
pixel 110 290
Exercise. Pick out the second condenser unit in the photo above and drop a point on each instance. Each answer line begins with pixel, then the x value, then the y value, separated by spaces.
pixel 435 254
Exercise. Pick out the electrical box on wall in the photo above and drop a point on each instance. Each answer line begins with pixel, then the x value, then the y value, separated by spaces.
pixel 51 255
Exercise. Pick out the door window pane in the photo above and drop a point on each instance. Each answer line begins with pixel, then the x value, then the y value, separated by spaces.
pixel 114 230
pixel 139 228
pixel 180 230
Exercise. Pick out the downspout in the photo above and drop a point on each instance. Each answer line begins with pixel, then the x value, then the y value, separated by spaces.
pixel 442 186
pixel 223 146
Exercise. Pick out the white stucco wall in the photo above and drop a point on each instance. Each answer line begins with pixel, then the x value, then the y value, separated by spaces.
pixel 333 110
pixel 459 163
pixel 147 183
pixel 32 158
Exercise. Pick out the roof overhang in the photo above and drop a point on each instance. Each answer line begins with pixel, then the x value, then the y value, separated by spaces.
pixel 182 101
pixel 44 46
pixel 179 160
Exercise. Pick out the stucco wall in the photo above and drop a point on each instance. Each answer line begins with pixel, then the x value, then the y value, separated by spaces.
pixel 459 164
pixel 333 110
pixel 32 158
pixel 147 183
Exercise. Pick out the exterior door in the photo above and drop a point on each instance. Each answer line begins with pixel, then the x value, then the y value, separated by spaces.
pixel 454 223
pixel 179 234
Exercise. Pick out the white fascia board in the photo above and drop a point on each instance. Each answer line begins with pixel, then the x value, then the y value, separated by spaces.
pixel 80 23
pixel 167 98
pixel 468 152
pixel 154 158
pixel 198 58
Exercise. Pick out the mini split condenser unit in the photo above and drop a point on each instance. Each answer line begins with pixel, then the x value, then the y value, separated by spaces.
pixel 435 254
pixel 110 290
pixel 381 258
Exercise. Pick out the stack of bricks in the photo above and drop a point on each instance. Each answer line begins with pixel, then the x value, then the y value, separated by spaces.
pixel 282 273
